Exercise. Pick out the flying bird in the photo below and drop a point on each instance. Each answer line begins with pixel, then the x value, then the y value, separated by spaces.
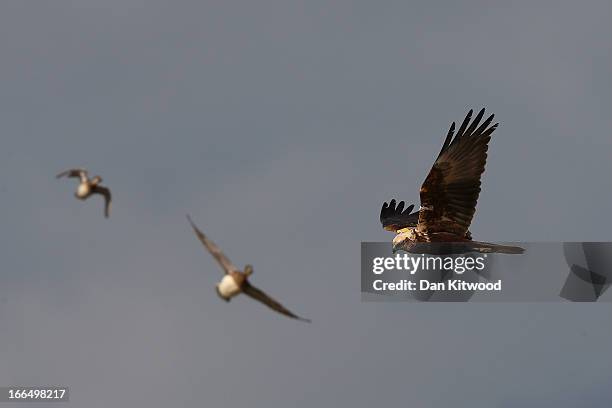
pixel 448 195
pixel 235 281
pixel 87 187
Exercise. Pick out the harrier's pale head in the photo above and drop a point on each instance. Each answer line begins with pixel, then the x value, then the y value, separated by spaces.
pixel 403 238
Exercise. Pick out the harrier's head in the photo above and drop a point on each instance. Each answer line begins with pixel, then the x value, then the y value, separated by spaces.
pixel 96 180
pixel 403 239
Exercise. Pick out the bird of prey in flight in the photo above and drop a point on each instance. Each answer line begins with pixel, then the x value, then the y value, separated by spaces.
pixel 448 195
pixel 235 281
pixel 88 187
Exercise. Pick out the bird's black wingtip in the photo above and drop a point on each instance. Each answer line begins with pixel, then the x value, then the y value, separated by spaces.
pixel 386 207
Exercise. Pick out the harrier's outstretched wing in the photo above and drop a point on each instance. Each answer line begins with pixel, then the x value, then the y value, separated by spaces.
pixel 78 173
pixel 107 197
pixel 395 218
pixel 259 295
pixel 450 191
pixel 223 260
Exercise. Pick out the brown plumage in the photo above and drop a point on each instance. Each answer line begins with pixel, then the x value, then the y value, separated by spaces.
pixel 236 281
pixel 449 193
pixel 394 218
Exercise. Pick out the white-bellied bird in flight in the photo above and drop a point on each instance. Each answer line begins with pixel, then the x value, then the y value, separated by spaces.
pixel 87 187
pixel 236 281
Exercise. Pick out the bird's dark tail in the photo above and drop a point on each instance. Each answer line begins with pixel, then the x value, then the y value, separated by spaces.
pixel 485 247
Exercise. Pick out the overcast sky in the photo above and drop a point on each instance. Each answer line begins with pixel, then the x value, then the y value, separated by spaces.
pixel 281 127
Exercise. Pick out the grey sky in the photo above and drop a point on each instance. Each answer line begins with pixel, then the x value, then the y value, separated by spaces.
pixel 281 126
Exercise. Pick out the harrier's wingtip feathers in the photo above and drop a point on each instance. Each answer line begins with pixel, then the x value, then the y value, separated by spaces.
pixel 449 138
pixel 464 125
pixel 475 123
pixel 394 217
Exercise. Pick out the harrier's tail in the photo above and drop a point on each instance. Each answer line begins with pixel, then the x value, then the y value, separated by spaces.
pixel 485 247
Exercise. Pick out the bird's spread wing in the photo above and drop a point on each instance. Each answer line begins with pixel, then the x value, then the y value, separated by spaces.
pixel 450 191
pixel 223 260
pixel 259 295
pixel 395 218
pixel 78 173
pixel 107 197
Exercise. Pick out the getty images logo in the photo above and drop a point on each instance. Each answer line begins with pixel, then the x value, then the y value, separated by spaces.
pixel 412 264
